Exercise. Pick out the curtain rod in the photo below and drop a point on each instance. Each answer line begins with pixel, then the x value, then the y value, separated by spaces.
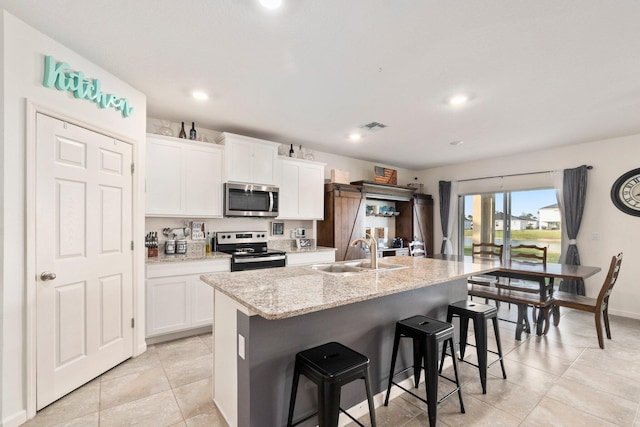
pixel 589 167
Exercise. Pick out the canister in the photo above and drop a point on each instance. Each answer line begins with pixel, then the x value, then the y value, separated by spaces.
pixel 181 246
pixel 170 247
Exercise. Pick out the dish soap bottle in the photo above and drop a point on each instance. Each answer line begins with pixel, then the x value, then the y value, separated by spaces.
pixel 192 132
pixel 182 134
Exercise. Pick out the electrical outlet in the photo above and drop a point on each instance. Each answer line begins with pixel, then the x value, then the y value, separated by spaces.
pixel 595 236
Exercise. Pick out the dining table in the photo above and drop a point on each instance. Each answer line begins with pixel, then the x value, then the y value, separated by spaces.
pixel 544 273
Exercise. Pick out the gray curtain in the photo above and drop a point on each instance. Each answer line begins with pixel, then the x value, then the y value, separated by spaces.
pixel 444 188
pixel 574 191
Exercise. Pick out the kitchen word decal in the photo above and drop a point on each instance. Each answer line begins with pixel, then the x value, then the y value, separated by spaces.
pixel 60 76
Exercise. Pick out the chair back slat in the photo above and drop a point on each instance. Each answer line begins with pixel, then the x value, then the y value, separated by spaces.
pixel 417 249
pixel 530 253
pixel 610 281
pixel 486 250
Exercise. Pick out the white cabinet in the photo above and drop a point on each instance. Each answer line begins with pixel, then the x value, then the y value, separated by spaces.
pixel 183 178
pixel 311 257
pixel 301 184
pixel 177 299
pixel 249 160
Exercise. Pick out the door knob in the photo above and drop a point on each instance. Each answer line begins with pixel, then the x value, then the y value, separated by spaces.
pixel 47 275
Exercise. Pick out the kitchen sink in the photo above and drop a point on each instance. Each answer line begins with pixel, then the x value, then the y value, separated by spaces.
pixel 350 267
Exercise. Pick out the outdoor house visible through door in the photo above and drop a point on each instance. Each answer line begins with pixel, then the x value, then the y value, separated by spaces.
pixel 84 256
pixel 507 218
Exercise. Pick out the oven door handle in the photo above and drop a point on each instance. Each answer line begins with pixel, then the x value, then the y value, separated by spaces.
pixel 259 259
pixel 270 201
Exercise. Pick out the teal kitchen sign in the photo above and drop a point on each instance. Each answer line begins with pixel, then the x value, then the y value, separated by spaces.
pixel 60 76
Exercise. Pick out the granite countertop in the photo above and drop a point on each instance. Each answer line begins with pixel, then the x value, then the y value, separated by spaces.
pixel 162 257
pixel 280 293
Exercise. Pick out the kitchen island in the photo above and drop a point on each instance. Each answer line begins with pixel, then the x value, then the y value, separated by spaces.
pixel 262 318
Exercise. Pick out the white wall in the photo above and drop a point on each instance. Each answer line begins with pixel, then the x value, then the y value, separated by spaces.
pixel 617 232
pixel 23 54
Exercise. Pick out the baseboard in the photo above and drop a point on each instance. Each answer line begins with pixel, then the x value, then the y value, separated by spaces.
pixel 15 420
pixel 177 335
pixel 621 313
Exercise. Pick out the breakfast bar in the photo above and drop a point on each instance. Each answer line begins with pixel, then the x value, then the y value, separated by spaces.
pixel 263 318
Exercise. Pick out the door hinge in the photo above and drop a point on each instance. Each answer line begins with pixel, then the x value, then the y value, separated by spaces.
pixel 132 245
pixel 133 322
pixel 133 168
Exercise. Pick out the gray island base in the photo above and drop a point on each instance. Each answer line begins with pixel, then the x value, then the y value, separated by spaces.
pixel 263 318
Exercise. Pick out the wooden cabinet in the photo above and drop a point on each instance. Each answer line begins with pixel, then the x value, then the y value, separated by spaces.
pixel 249 160
pixel 183 178
pixel 344 213
pixel 311 257
pixel 177 300
pixel 416 221
pixel 301 184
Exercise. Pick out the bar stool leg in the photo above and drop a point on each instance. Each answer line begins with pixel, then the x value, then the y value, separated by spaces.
pixel 417 362
pixel 294 392
pixel 431 379
pixel 455 371
pixel 372 410
pixel 480 328
pixel 394 355
pixel 499 344
pixel 464 331
pixel 329 405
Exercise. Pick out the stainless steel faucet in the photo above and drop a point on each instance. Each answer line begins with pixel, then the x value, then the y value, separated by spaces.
pixel 373 248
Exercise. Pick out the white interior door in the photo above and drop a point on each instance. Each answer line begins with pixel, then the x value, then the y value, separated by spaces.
pixel 84 258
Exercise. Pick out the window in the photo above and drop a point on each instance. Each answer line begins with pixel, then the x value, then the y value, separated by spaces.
pixel 508 218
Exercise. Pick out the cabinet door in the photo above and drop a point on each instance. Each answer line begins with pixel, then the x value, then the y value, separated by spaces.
pixel 168 304
pixel 289 190
pixel 203 181
pixel 163 192
pixel 201 302
pixel 263 159
pixel 238 154
pixel 311 192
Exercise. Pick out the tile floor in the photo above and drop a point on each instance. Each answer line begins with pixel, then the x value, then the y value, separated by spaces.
pixel 562 379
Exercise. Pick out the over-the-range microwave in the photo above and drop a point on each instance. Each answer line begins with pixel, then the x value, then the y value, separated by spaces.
pixel 250 200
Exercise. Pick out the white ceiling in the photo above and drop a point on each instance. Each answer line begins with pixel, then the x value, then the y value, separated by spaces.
pixel 543 73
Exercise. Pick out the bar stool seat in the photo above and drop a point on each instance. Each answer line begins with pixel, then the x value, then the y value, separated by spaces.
pixel 330 366
pixel 427 334
pixel 480 313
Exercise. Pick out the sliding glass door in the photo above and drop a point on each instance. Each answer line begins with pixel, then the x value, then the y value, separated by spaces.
pixel 511 218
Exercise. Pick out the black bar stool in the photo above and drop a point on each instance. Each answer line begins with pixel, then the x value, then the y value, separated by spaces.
pixel 480 314
pixel 427 334
pixel 330 366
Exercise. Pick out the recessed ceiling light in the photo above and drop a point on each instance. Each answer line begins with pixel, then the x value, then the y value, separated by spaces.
pixel 355 137
pixel 200 96
pixel 454 143
pixel 271 4
pixel 459 99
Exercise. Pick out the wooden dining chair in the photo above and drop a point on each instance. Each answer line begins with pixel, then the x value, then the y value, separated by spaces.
pixel 599 306
pixel 526 254
pixel 417 249
pixel 485 251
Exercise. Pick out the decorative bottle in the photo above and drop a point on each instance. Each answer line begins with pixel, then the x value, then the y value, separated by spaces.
pixel 291 151
pixel 182 134
pixel 192 132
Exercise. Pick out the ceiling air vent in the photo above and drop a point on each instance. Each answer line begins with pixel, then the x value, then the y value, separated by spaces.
pixel 374 126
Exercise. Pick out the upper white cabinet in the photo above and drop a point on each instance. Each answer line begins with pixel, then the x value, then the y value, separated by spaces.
pixel 301 184
pixel 183 178
pixel 249 160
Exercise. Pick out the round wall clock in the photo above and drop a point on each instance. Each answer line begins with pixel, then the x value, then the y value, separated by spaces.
pixel 625 192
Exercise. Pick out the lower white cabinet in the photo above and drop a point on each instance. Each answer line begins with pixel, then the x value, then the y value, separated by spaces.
pixel 177 299
pixel 311 257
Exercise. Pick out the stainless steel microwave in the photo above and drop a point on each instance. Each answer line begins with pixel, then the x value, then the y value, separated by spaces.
pixel 250 200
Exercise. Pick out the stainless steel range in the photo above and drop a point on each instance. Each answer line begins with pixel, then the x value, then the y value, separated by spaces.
pixel 249 250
